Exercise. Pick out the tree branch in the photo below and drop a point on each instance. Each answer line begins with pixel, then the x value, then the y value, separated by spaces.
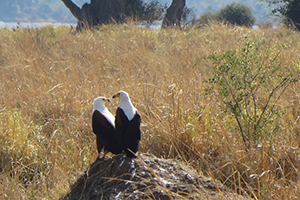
pixel 75 10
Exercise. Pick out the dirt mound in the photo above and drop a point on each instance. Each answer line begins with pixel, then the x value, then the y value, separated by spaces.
pixel 145 177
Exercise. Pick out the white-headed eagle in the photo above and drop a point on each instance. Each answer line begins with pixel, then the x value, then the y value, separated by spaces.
pixel 127 124
pixel 103 123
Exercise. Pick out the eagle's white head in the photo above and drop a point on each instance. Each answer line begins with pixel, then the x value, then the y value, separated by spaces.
pixel 99 105
pixel 125 104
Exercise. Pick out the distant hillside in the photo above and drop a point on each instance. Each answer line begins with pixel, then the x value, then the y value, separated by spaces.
pixel 55 11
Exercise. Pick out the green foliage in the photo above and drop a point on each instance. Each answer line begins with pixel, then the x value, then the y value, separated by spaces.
pixel 237 14
pixel 206 18
pixel 153 11
pixel 289 9
pixel 249 84
pixel 141 11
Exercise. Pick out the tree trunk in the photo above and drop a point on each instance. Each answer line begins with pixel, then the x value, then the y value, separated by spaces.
pixel 173 16
pixel 97 12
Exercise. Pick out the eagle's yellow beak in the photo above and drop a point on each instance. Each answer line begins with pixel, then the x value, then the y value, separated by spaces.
pixel 116 95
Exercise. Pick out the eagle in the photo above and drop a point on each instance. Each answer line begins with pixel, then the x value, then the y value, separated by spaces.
pixel 103 124
pixel 127 122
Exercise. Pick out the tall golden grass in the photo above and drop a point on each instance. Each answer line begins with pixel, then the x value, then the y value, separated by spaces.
pixel 50 76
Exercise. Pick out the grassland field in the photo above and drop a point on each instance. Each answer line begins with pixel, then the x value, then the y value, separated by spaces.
pixel 49 77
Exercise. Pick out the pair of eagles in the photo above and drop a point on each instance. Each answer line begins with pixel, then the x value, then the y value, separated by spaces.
pixel 119 133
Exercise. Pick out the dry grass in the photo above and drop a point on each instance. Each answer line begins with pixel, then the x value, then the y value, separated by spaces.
pixel 49 77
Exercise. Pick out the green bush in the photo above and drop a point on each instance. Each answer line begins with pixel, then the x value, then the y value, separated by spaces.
pixel 236 14
pixel 249 84
pixel 206 18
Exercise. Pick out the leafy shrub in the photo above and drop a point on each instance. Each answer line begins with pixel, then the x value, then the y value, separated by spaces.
pixel 206 18
pixel 236 14
pixel 249 84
